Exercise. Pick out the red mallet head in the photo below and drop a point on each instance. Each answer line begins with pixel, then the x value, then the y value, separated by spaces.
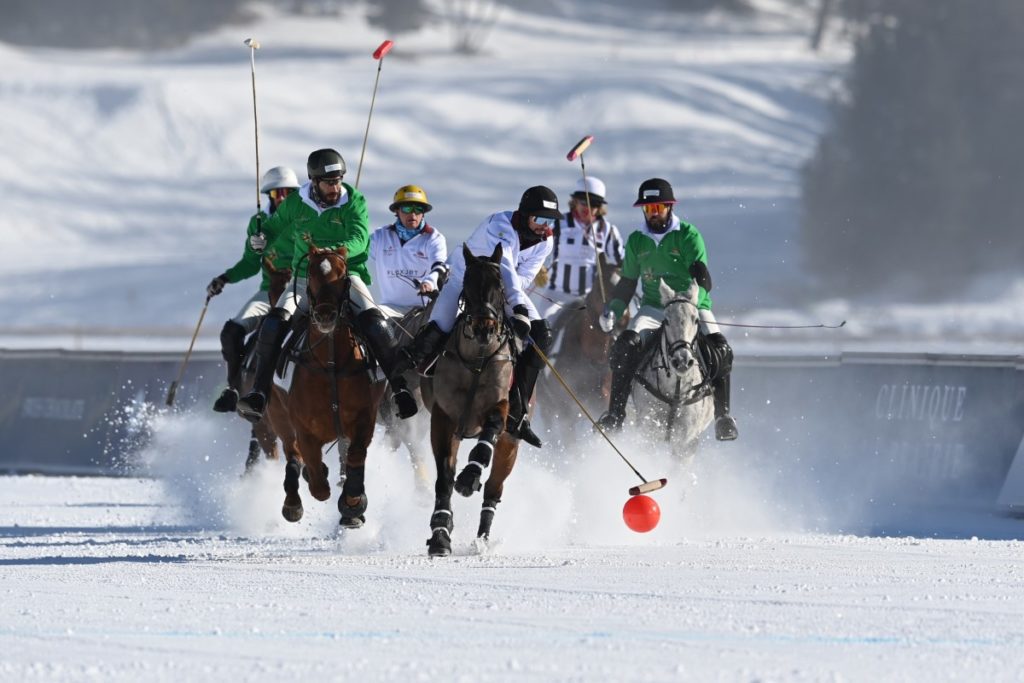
pixel 579 147
pixel 384 48
pixel 641 513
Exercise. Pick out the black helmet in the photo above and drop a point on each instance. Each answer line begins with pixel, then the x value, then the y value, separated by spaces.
pixel 325 163
pixel 539 201
pixel 655 191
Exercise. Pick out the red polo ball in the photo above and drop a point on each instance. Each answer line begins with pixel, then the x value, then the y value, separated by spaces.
pixel 641 513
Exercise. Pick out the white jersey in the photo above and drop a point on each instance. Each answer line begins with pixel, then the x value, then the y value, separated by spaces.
pixel 518 267
pixel 574 260
pixel 396 265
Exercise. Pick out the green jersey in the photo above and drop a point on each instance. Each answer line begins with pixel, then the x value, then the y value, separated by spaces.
pixel 650 258
pixel 299 221
pixel 251 261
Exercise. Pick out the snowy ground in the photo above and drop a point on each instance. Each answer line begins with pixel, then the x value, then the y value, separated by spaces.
pixel 130 579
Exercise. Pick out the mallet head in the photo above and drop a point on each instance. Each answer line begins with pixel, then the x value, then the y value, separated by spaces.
pixel 252 43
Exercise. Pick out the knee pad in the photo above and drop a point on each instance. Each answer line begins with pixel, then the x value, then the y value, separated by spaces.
pixel 540 331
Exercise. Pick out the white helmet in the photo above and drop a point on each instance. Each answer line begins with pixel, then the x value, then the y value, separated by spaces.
pixel 594 187
pixel 279 177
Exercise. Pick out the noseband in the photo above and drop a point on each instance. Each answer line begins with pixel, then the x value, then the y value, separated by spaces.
pixel 325 315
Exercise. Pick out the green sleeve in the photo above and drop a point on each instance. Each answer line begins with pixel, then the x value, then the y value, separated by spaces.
pixel 696 251
pixel 357 234
pixel 630 273
pixel 280 235
pixel 250 263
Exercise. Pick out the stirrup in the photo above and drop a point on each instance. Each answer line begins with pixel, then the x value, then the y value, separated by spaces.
pixel 610 422
pixel 252 405
pixel 521 430
pixel 725 428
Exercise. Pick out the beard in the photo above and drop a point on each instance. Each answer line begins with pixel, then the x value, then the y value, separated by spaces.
pixel 657 224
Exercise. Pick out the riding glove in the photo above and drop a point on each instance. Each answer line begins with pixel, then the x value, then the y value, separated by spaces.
pixel 258 242
pixel 607 319
pixel 521 321
pixel 216 285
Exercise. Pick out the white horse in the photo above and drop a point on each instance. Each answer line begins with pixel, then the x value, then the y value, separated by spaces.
pixel 671 392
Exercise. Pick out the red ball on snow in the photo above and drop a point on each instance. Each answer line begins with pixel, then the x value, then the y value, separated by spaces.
pixel 641 513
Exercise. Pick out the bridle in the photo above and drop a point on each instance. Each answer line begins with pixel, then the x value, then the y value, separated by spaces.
pixel 325 315
pixel 485 321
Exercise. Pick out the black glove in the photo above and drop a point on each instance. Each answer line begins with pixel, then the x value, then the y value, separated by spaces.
pixel 540 332
pixel 216 285
pixel 521 321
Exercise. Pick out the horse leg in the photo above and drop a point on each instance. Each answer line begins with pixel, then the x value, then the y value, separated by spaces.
pixel 445 447
pixel 267 439
pixel 505 454
pixel 292 508
pixel 468 481
pixel 254 451
pixel 353 502
pixel 315 472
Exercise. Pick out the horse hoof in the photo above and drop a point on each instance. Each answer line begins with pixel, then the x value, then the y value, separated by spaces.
pixel 439 544
pixel 351 522
pixel 352 511
pixel 292 513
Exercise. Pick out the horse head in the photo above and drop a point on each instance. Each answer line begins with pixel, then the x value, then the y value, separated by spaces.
pixel 328 285
pixel 680 328
pixel 483 294
pixel 279 278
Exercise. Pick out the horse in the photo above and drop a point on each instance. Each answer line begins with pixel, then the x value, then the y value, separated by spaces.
pixel 671 390
pixel 331 398
pixel 580 351
pixel 468 398
pixel 261 435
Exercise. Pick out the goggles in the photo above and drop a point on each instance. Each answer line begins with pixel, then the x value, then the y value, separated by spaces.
pixel 543 220
pixel 411 208
pixel 280 193
pixel 654 209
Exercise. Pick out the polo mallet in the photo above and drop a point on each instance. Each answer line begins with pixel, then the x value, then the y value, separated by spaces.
pixel 577 151
pixel 174 385
pixel 254 45
pixel 378 54
pixel 646 486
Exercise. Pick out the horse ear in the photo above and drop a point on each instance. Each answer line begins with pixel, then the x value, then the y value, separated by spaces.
pixel 496 254
pixel 694 291
pixel 667 293
pixel 343 252
pixel 467 254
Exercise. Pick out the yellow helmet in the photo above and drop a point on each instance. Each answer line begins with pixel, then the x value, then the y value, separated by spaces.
pixel 410 194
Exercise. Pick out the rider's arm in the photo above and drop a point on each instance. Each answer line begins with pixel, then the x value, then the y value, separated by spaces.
pixel 437 254
pixel 530 262
pixel 250 262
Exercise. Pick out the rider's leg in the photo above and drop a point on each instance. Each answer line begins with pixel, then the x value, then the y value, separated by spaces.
pixel 268 347
pixel 719 367
pixel 527 370
pixel 374 329
pixel 625 356
pixel 232 347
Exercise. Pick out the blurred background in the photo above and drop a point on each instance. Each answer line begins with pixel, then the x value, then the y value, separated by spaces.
pixel 845 159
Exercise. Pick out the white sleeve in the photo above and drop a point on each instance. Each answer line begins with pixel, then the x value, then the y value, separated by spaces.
pixel 438 254
pixel 614 249
pixel 530 262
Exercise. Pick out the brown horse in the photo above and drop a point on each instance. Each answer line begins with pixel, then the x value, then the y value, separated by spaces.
pixel 331 398
pixel 261 435
pixel 581 352
pixel 468 397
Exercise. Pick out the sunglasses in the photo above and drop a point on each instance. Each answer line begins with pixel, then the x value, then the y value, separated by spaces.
pixel 654 209
pixel 546 222
pixel 330 182
pixel 411 208
pixel 280 192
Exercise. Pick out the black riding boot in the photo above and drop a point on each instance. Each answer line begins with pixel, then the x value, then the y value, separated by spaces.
pixel 523 384
pixel 375 330
pixel 624 358
pixel 725 424
pixel 232 347
pixel 424 345
pixel 268 346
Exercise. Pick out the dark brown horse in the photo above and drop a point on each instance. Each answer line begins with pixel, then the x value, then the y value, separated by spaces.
pixel 468 398
pixel 331 397
pixel 581 352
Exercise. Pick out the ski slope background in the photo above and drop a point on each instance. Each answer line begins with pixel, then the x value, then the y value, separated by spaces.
pixel 130 179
